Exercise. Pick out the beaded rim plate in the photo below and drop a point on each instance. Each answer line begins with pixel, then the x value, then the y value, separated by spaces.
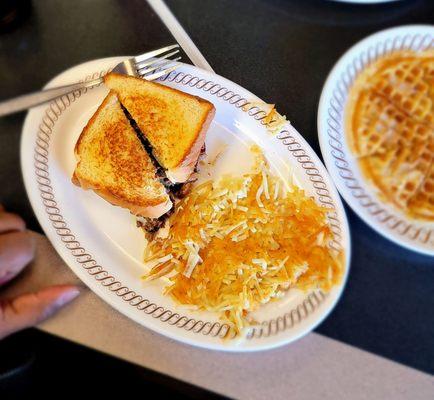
pixel 341 164
pixel 101 244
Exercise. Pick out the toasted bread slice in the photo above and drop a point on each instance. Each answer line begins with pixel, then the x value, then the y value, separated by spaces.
pixel 174 122
pixel 113 163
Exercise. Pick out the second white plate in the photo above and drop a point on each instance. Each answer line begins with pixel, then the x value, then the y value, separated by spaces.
pixel 341 164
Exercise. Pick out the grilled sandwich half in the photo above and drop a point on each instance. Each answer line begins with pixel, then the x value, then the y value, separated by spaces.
pixel 112 162
pixel 141 147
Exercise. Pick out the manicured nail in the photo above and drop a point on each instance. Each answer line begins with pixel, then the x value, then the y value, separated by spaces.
pixel 66 297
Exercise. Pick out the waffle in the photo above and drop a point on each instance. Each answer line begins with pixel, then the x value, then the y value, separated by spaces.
pixel 375 124
pixel 405 83
pixel 400 171
pixel 390 127
pixel 428 67
pixel 422 204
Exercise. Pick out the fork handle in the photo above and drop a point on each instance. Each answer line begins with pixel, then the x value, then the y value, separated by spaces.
pixel 35 99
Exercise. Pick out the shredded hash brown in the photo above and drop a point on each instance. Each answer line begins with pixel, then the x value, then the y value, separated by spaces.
pixel 240 242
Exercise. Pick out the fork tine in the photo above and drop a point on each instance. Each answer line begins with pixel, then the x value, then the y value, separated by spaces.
pixel 146 63
pixel 158 74
pixel 156 65
pixel 154 53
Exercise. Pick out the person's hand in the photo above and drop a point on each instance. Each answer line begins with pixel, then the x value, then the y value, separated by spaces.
pixel 16 251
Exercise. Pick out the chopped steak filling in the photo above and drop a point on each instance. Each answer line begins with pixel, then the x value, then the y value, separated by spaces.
pixel 152 225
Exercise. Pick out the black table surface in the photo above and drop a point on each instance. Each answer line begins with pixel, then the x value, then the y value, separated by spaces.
pixel 282 51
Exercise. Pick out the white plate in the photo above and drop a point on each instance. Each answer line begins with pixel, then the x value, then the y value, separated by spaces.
pixel 101 244
pixel 341 164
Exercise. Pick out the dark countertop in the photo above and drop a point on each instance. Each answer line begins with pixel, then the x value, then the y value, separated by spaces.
pixel 280 50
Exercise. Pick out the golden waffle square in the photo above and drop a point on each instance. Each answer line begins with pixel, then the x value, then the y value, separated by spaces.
pixel 422 204
pixel 374 123
pixel 390 127
pixel 400 171
pixel 404 83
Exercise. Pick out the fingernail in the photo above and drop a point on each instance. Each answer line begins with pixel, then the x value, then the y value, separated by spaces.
pixel 66 297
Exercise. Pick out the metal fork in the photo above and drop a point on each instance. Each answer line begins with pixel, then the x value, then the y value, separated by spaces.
pixel 144 66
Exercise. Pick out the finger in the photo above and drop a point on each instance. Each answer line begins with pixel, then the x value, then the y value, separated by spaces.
pixel 32 308
pixel 11 222
pixel 1 208
pixel 16 251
